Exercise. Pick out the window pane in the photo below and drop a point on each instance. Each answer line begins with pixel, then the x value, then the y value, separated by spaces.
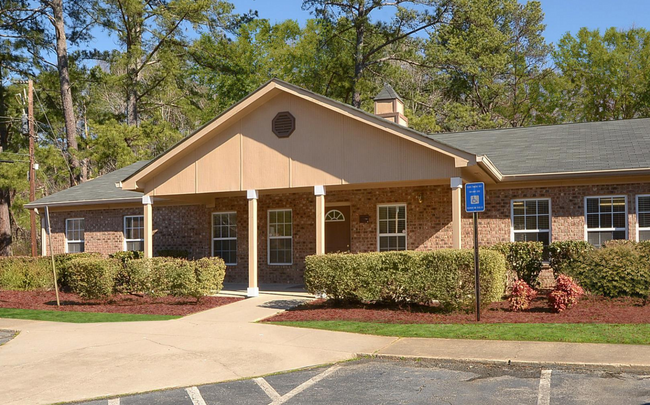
pixel 392 227
pixel 592 221
pixel 544 237
pixel 518 208
pixel 383 213
pixel 531 222
pixel 592 205
pixel 606 204
pixel 543 222
pixel 383 227
pixel 520 237
pixel 644 235
pixel 619 235
pixel 619 220
pixel 531 207
pixel 520 223
pixel 618 204
pixel 644 204
pixel 75 247
pixel 606 220
pixel 401 226
pixel 543 207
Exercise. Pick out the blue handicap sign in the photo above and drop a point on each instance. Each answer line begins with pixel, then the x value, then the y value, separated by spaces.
pixel 474 197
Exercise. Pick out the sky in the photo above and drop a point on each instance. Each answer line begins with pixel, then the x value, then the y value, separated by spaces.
pixel 561 16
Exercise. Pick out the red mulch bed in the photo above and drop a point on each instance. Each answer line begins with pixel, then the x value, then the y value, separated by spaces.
pixel 591 309
pixel 121 304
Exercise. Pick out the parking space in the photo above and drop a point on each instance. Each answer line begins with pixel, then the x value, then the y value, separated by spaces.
pixel 382 381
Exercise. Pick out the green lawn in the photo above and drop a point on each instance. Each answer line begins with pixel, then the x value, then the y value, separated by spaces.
pixel 546 332
pixel 78 317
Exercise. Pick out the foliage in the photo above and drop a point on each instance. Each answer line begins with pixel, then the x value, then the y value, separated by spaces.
pixel 563 254
pixel 445 276
pixel 128 255
pixel 524 258
pixel 521 296
pixel 565 294
pixel 92 278
pixel 614 270
pixel 25 273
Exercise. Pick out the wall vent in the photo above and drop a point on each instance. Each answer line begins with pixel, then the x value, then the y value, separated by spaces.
pixel 283 124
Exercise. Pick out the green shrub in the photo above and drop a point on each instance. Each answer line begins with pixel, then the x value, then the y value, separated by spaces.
pixel 25 273
pixel 133 277
pixel 62 262
pixel 209 272
pixel 174 253
pixel 446 276
pixel 614 270
pixel 524 258
pixel 562 254
pixel 92 277
pixel 125 256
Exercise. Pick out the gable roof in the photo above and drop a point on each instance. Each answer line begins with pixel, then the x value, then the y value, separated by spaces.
pixel 100 190
pixel 604 146
pixel 418 137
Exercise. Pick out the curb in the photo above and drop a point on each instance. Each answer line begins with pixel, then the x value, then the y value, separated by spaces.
pixel 613 367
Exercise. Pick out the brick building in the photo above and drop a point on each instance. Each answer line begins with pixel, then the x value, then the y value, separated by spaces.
pixel 287 173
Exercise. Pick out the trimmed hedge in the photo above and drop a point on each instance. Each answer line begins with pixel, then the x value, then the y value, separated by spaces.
pixel 446 276
pixel 615 270
pixel 25 273
pixel 92 276
pixel 564 253
pixel 524 258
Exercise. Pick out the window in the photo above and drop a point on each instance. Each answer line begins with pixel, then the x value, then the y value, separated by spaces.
pixel 643 217
pixel 224 236
pixel 134 233
pixel 74 235
pixel 334 216
pixel 531 221
pixel 280 237
pixel 606 219
pixel 391 232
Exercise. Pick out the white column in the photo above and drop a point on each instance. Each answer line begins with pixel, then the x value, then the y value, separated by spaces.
pixel 319 192
pixel 147 201
pixel 253 289
pixel 43 237
pixel 456 224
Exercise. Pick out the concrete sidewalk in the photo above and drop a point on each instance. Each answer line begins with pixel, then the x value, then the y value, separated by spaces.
pixel 56 362
pixel 603 356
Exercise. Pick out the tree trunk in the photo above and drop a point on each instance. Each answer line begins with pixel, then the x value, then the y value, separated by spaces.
pixel 78 174
pixel 5 195
pixel 358 56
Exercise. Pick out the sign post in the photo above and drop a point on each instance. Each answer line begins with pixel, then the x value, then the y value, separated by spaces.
pixel 475 203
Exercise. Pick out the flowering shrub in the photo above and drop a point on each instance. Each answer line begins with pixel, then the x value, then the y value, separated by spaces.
pixel 565 294
pixel 521 296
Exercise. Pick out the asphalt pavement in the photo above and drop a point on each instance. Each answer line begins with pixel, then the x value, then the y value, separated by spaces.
pixel 394 381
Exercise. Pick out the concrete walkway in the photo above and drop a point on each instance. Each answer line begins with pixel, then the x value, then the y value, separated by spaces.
pixel 55 362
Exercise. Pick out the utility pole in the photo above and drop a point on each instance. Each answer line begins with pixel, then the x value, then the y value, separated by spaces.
pixel 32 175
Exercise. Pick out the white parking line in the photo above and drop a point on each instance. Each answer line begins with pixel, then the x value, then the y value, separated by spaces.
pixel 114 401
pixel 544 395
pixel 195 396
pixel 305 385
pixel 266 387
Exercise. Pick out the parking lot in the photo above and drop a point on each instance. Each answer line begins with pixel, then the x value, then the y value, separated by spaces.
pixel 385 381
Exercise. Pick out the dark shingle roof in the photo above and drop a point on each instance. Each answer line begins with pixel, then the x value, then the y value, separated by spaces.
pixel 97 190
pixel 591 146
pixel 387 93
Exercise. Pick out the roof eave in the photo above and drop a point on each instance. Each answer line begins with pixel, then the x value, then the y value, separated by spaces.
pixel 574 174
pixel 125 200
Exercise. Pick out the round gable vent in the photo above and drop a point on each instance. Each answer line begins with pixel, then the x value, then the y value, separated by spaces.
pixel 283 124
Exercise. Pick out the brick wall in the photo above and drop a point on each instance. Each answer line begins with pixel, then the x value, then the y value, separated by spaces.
pixel 428 222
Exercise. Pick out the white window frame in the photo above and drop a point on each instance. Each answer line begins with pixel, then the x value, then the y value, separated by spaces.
pixel 406 225
pixel 638 227
pixel 587 229
pixel 550 219
pixel 126 240
pixel 228 238
pixel 269 237
pixel 82 241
